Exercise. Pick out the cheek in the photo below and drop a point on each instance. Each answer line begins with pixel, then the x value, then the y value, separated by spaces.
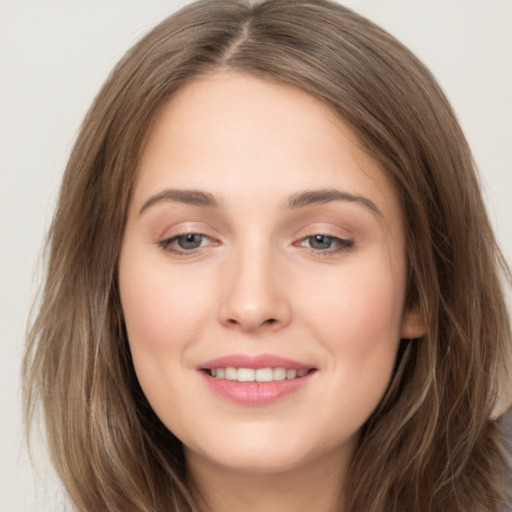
pixel 162 321
pixel 162 309
pixel 358 320
pixel 360 303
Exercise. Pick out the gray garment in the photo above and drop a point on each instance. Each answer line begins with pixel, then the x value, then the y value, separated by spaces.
pixel 506 425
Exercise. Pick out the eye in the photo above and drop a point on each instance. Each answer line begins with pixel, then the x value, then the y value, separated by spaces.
pixel 190 241
pixel 187 242
pixel 320 242
pixel 326 244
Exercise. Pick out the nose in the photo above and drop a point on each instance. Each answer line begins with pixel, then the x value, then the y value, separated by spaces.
pixel 254 298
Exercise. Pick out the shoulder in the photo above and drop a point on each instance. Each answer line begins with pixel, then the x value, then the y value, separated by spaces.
pixel 506 425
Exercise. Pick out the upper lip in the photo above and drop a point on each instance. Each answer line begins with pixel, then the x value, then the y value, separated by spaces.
pixel 254 361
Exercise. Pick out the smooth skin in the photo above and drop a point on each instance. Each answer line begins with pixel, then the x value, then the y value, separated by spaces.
pixel 257 226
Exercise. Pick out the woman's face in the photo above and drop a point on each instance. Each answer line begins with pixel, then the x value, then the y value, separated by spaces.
pixel 262 276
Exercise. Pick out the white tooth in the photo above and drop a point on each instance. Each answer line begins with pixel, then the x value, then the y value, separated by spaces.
pixel 264 375
pixel 279 373
pixel 213 372
pixel 301 373
pixel 220 373
pixel 291 374
pixel 230 373
pixel 245 375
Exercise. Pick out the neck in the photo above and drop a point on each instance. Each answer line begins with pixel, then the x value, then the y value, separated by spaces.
pixel 316 486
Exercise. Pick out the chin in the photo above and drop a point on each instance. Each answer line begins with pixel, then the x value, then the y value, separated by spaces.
pixel 251 460
pixel 264 453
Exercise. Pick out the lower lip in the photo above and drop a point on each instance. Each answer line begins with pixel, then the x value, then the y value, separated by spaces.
pixel 255 393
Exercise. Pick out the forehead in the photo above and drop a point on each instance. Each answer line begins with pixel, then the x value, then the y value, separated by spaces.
pixel 237 136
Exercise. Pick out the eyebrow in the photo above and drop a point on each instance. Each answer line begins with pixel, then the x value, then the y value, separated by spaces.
pixel 314 197
pixel 185 196
pixel 203 199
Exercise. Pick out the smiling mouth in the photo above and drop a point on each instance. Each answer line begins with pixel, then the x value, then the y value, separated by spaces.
pixel 257 374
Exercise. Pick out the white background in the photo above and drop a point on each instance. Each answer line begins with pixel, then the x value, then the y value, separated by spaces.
pixel 54 55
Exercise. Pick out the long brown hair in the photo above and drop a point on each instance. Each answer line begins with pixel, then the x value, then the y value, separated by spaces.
pixel 432 444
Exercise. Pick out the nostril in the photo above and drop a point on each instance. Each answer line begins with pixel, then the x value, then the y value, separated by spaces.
pixel 269 322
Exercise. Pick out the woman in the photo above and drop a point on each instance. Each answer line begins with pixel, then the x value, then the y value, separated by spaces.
pixel 257 293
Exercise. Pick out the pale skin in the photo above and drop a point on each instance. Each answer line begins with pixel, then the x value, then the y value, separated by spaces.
pixel 257 226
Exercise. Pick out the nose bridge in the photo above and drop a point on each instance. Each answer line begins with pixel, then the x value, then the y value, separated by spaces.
pixel 253 296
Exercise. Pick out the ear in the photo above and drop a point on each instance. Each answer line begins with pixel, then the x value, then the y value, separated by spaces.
pixel 413 324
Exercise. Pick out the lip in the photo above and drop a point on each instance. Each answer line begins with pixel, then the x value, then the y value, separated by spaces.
pixel 254 362
pixel 255 393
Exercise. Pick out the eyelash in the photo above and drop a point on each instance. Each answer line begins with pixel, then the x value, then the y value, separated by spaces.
pixel 341 244
pixel 167 244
